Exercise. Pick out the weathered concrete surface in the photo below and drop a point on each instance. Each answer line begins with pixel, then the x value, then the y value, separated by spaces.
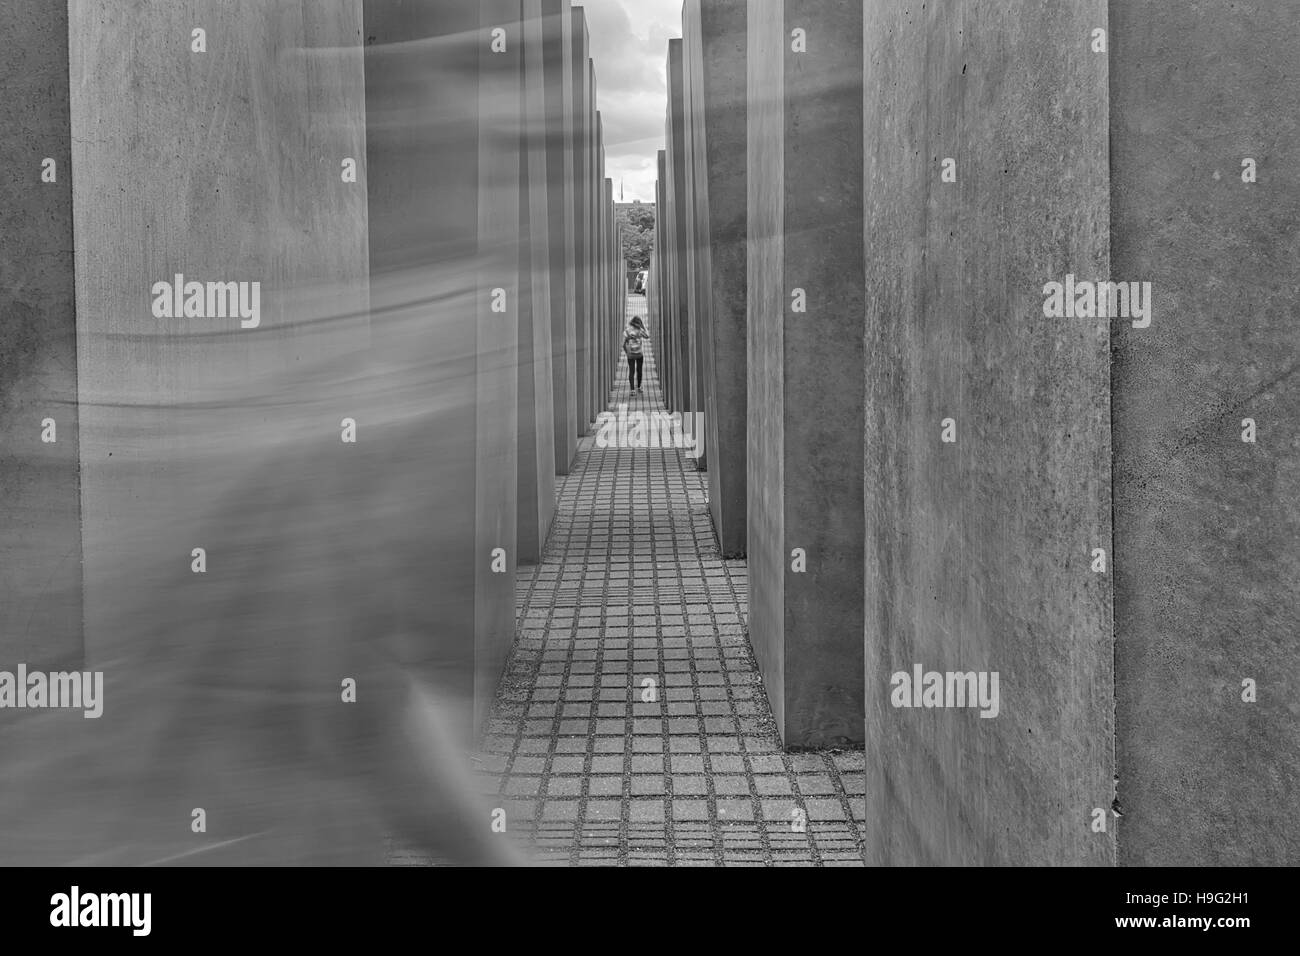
pixel 652 301
pixel 654 320
pixel 580 146
pixel 683 122
pixel 587 352
pixel 600 375
pixel 666 362
pixel 1207 569
pixel 672 376
pixel 612 272
pixel 805 370
pixel 600 372
pixel 161 189
pixel 163 400
pixel 562 101
pixel 443 139
pixel 175 415
pixel 620 287
pixel 686 382
pixel 600 335
pixel 715 40
pixel 40 497
pixel 536 376
pixel 978 552
pixel 499 197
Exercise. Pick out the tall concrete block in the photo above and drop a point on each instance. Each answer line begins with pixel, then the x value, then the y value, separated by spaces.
pixel 602 278
pixel 579 140
pixel 617 285
pixel 444 184
pixel 620 306
pixel 1207 566
pixel 714 56
pixel 536 374
pixel 40 496
pixel 589 217
pixel 672 310
pixel 611 271
pixel 600 380
pixel 978 549
pixel 499 192
pixel 561 164
pixel 675 142
pixel 666 366
pixel 161 191
pixel 681 144
pixel 183 414
pixel 606 278
pixel 652 305
pixel 597 259
pixel 805 416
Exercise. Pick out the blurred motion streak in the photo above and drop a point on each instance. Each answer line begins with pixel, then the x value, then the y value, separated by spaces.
pixel 325 560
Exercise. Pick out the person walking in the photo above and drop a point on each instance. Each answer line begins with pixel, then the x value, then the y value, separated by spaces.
pixel 632 336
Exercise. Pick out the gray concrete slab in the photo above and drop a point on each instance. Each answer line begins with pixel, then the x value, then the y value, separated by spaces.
pixel 561 157
pixel 179 413
pixel 666 358
pixel 171 406
pixel 714 43
pixel 590 209
pixel 805 489
pixel 1206 569
pixel 443 140
pixel 582 237
pixel 499 198
pixel 40 494
pixel 536 375
pixel 599 335
pixel 978 550
pixel 683 121
pixel 686 383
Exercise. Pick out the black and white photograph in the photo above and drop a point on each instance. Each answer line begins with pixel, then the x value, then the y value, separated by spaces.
pixel 462 434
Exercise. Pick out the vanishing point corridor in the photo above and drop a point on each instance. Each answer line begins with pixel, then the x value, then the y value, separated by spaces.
pixel 632 589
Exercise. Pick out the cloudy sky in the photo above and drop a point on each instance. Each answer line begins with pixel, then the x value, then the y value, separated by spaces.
pixel 629 45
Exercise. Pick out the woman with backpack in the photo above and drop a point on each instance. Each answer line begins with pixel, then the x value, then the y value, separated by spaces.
pixel 632 336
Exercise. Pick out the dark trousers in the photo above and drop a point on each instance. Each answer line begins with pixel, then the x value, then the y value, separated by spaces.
pixel 634 365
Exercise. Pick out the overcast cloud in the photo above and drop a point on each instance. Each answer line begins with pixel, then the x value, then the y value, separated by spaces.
pixel 629 45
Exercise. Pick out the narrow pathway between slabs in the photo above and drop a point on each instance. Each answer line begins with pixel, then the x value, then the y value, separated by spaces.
pixel 632 586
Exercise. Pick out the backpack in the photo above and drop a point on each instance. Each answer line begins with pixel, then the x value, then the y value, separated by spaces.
pixel 631 341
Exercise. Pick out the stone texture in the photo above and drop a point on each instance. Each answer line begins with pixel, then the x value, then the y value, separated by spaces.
pixel 562 103
pixel 583 304
pixel 978 552
pixel 682 143
pixel 40 494
pixel 444 184
pixel 536 376
pixel 173 409
pixel 1206 565
pixel 686 382
pixel 222 165
pixel 663 266
pixel 715 42
pixel 805 417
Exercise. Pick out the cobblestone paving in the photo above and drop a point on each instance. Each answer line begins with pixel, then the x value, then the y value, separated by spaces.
pixel 632 600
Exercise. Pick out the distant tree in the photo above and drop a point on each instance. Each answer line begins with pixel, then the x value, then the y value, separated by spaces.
pixel 639 237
